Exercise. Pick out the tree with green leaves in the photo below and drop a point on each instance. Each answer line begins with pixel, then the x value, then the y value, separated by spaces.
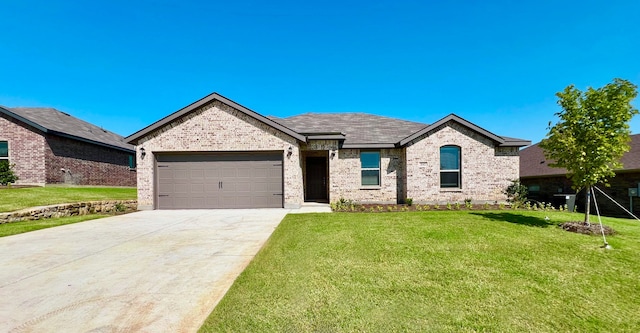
pixel 592 134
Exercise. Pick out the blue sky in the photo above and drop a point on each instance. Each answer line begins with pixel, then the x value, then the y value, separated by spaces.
pixel 124 64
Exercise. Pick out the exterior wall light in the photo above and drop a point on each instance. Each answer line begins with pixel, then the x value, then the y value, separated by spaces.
pixel 143 152
pixel 289 151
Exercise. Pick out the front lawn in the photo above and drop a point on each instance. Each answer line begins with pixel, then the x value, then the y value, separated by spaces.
pixel 14 228
pixel 436 271
pixel 12 199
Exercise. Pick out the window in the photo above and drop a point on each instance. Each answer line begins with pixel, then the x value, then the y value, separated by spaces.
pixel 132 162
pixel 449 167
pixel 4 152
pixel 370 164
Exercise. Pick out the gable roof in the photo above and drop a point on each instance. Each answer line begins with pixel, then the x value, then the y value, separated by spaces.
pixel 133 138
pixel 355 130
pixel 534 164
pixel 55 122
pixel 502 141
pixel 359 130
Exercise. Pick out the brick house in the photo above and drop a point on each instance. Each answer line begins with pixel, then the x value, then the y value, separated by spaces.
pixel 216 153
pixel 548 184
pixel 47 146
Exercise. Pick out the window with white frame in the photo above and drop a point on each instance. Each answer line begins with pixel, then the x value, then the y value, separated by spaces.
pixel 370 168
pixel 450 167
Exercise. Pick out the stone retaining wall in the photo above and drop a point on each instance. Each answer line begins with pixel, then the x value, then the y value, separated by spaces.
pixel 72 209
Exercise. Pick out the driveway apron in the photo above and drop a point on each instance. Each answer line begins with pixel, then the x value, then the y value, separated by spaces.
pixel 150 271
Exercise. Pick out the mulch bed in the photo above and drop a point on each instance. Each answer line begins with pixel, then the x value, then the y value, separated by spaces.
pixel 381 208
pixel 4 187
pixel 592 229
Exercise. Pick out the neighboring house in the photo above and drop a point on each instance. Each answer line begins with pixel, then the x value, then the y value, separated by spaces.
pixel 216 153
pixel 548 184
pixel 47 146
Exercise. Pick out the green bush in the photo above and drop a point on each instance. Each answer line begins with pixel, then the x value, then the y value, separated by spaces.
pixel 516 193
pixel 6 173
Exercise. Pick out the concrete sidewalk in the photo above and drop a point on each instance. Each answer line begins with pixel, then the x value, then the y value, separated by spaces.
pixel 150 271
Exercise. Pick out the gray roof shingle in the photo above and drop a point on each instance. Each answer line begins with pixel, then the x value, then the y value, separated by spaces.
pixel 534 164
pixel 59 123
pixel 358 128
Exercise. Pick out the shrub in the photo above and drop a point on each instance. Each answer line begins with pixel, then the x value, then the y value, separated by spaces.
pixel 6 173
pixel 344 205
pixel 409 201
pixel 120 207
pixel 468 203
pixel 516 193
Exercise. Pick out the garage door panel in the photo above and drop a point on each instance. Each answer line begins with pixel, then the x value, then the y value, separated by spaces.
pixel 196 188
pixel 238 180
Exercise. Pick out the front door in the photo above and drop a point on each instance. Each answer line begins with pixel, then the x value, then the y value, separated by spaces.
pixel 317 182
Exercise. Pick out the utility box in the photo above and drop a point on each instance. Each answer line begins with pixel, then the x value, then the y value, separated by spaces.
pixel 570 201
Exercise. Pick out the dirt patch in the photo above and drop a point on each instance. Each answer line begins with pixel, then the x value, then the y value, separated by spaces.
pixel 592 229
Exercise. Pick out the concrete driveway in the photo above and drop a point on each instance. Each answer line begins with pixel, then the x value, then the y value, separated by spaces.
pixel 150 271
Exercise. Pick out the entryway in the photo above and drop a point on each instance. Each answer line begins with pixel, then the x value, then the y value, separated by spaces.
pixel 316 178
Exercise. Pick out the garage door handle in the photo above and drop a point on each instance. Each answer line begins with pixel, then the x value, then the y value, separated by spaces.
pixel 163 195
pixel 277 194
pixel 219 184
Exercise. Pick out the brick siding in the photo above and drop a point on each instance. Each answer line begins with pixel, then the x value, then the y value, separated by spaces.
pixel 551 186
pixel 26 150
pixel 346 182
pixel 486 170
pixel 39 158
pixel 218 127
pixel 80 163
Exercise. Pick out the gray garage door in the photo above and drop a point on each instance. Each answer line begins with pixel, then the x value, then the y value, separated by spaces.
pixel 233 180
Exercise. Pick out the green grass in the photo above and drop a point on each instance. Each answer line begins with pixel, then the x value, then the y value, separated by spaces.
pixel 12 199
pixel 14 228
pixel 449 271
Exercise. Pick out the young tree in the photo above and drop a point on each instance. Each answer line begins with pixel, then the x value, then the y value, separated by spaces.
pixel 592 134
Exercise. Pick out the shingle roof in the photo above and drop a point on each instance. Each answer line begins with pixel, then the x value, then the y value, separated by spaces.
pixel 358 128
pixel 133 138
pixel 55 122
pixel 534 164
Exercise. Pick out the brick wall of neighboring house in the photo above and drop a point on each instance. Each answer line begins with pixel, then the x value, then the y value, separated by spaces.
pixel 218 127
pixel 26 150
pixel 345 177
pixel 547 188
pixel 486 169
pixel 80 163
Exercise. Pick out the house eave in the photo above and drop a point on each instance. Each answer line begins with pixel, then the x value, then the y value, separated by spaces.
pixel 522 143
pixel 102 144
pixel 326 137
pixel 452 117
pixel 23 119
pixel 133 138
pixel 368 146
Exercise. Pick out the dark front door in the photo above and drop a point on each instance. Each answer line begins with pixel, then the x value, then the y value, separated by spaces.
pixel 317 181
